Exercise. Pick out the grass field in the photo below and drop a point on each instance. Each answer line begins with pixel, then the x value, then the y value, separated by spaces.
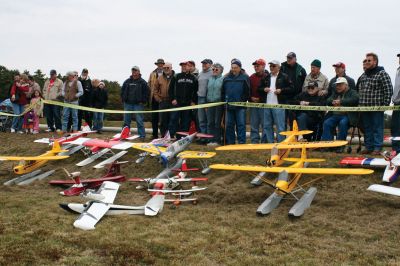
pixel 345 225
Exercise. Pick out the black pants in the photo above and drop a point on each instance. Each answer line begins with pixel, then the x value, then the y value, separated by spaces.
pixel 155 117
pixel 87 116
pixel 165 117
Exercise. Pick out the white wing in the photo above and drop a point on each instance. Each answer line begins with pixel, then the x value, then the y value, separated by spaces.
pixel 385 189
pixel 154 205
pixel 109 190
pixel 88 219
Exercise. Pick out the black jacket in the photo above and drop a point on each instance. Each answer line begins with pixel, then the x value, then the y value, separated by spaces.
pixel 135 91
pixel 86 98
pixel 99 98
pixel 297 74
pixel 314 100
pixel 183 88
pixel 282 82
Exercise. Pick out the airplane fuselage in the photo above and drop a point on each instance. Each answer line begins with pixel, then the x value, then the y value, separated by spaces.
pixel 28 166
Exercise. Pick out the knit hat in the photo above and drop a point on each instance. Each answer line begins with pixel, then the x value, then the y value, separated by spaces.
pixel 316 63
pixel 236 62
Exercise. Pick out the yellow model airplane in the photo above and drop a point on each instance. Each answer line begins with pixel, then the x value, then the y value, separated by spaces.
pixel 286 184
pixel 29 163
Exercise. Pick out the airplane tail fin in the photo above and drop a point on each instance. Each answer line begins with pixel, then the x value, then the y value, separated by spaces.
pixel 167 136
pixel 56 147
pixel 192 128
pixel 125 133
pixel 77 180
pixel 184 168
pixel 295 127
pixel 154 205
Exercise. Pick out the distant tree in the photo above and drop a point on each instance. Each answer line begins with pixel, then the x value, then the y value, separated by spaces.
pixel 6 81
pixel 39 77
pixel 114 99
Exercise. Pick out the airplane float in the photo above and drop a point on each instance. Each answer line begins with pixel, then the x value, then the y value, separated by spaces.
pixel 96 148
pixel 113 173
pixel 175 150
pixel 287 182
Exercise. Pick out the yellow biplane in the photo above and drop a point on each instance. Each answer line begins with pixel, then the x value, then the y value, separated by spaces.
pixel 287 181
pixel 29 163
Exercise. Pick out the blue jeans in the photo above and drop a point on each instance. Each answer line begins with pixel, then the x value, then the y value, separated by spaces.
pixel 236 117
pixel 330 124
pixel 214 117
pixel 98 121
pixel 395 130
pixel 373 123
pixel 257 121
pixel 179 121
pixel 17 120
pixel 271 117
pixel 53 116
pixel 138 117
pixel 66 113
pixel 202 115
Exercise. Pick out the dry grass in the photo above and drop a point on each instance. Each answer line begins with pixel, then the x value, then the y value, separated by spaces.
pixel 345 224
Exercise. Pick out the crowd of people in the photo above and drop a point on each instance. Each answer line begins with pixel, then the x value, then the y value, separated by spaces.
pixel 286 83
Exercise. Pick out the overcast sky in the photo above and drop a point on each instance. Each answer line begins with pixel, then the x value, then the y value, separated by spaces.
pixel 109 37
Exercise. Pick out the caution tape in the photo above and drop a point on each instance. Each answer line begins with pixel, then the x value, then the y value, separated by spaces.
pixel 84 108
pixel 207 105
pixel 316 108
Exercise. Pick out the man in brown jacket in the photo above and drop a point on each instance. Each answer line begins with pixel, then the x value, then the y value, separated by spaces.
pixel 161 96
pixel 52 91
pixel 71 91
pixel 154 75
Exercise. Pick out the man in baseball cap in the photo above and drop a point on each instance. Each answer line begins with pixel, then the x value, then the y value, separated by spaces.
pixel 316 75
pixel 295 71
pixel 340 70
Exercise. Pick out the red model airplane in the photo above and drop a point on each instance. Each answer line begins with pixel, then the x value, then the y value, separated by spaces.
pixel 113 173
pixel 69 137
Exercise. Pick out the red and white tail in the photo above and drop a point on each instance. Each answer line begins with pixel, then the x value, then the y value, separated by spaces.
pixel 192 128
pixel 184 167
pixel 125 133
pixel 77 180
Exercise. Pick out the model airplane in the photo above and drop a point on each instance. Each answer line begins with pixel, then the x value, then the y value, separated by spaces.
pixel 68 137
pixel 100 203
pixel 281 150
pixel 113 173
pixel 175 150
pixel 29 163
pixel 289 177
pixel 96 148
pixel 172 184
pixel 391 162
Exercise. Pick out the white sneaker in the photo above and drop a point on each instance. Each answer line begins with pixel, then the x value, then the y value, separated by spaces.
pixel 12 130
pixel 48 130
pixel 35 132
pixel 20 132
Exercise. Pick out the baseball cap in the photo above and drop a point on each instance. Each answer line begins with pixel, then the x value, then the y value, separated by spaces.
pixel 341 80
pixel 339 64
pixel 135 68
pixel 291 55
pixel 313 84
pixel 274 62
pixel 207 61
pixel 236 62
pixel 398 55
pixel 85 70
pixel 316 63
pixel 259 62
pixel 183 63
pixel 53 72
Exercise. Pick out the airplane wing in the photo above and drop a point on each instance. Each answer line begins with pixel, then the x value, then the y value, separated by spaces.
pixel 385 189
pixel 196 155
pixel 31 158
pixel 364 161
pixel 154 205
pixel 150 148
pixel 291 170
pixel 89 218
pixel 270 146
pixel 109 190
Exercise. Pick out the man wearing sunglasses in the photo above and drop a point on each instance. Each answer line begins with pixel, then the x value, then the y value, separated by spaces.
pixel 375 89
pixel 340 70
pixel 316 76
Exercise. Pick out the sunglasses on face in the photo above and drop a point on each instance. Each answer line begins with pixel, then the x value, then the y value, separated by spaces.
pixel 166 68
pixel 367 61
pixel 215 69
pixel 311 88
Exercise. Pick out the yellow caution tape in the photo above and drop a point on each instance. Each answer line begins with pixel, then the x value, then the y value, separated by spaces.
pixel 317 108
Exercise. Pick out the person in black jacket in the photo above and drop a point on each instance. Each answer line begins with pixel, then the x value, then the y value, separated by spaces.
pixel 310 120
pixel 134 94
pixel 182 92
pixel 85 99
pixel 275 88
pixel 99 101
